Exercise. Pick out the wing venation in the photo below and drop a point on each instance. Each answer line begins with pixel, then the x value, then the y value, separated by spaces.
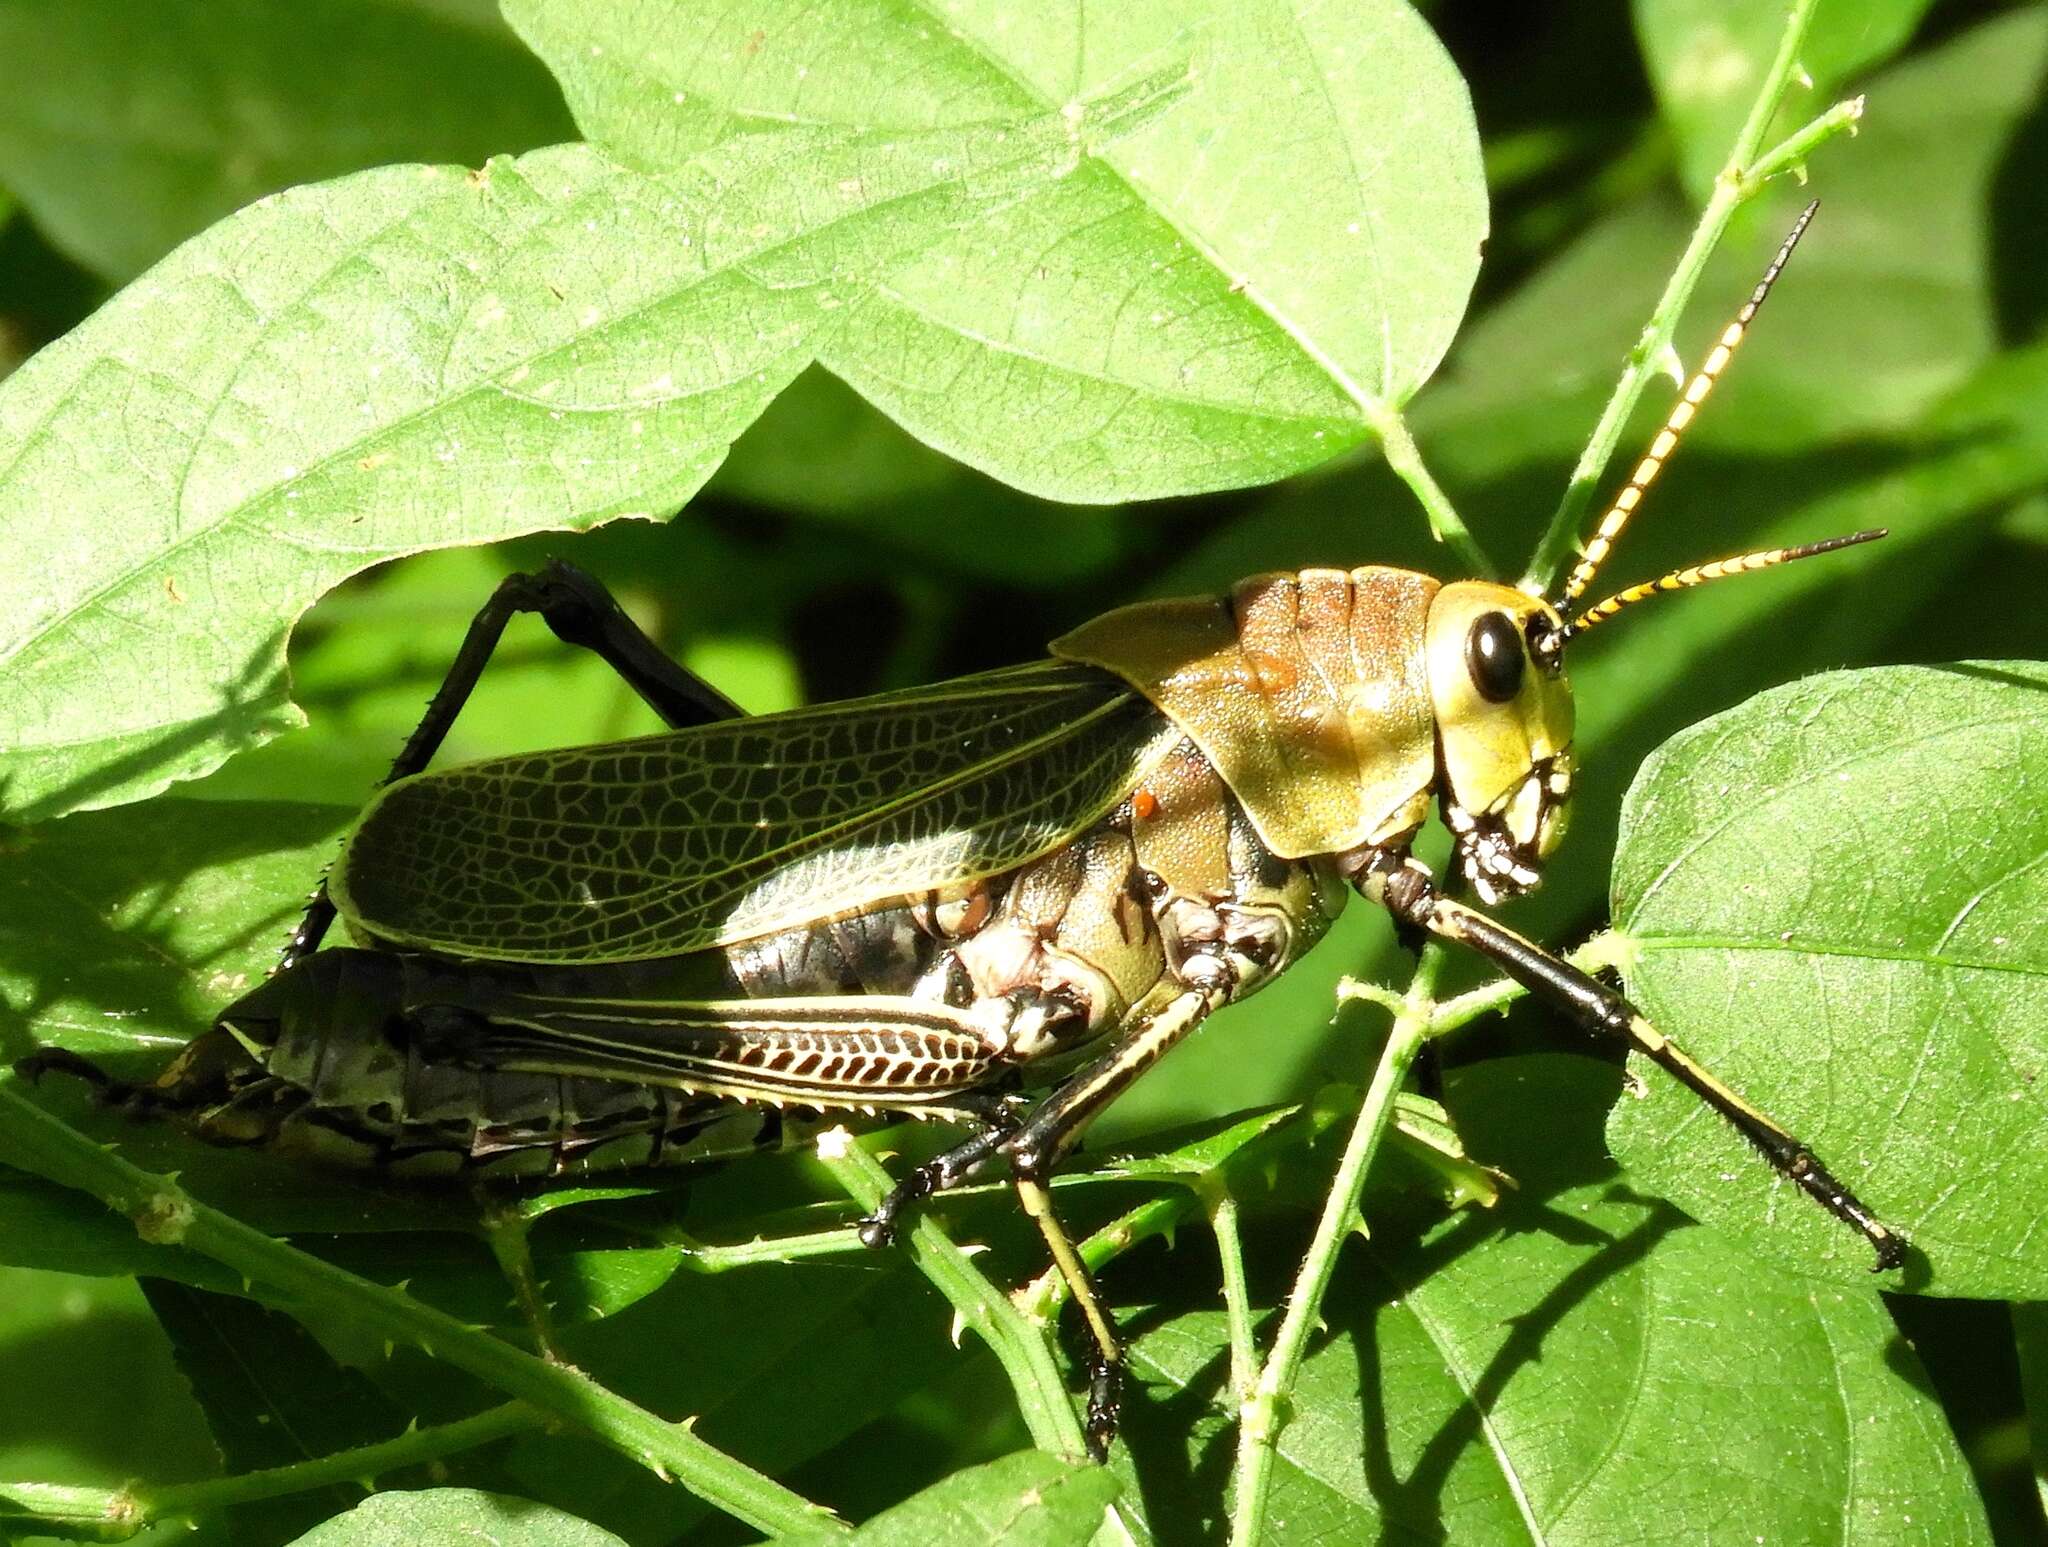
pixel 670 843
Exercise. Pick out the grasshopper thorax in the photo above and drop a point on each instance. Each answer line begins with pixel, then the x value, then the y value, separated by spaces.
pixel 1335 703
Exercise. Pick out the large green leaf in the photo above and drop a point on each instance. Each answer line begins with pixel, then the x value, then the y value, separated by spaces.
pixel 126 128
pixel 1221 298
pixel 1707 59
pixel 454 1515
pixel 1576 1365
pixel 412 358
pixel 1027 1500
pixel 1839 896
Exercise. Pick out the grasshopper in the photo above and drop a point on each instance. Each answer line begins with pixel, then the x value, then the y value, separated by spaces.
pixel 994 902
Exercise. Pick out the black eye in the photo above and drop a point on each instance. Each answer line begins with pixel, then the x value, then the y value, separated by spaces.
pixel 1493 654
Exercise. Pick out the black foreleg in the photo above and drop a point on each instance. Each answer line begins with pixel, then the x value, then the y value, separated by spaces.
pixel 1410 894
pixel 581 612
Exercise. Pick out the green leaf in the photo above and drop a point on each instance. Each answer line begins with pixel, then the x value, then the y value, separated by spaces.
pixel 412 358
pixel 1839 897
pixel 1565 1367
pixel 455 1515
pixel 1229 294
pixel 123 933
pixel 96 1398
pixel 272 1396
pixel 1027 1500
pixel 1707 58
pixel 127 128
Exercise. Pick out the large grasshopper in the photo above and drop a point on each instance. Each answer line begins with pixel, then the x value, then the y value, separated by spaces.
pixel 994 902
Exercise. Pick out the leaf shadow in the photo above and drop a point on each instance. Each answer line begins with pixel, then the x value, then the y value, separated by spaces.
pixel 1985 672
pixel 1412 1506
pixel 127 871
pixel 259 690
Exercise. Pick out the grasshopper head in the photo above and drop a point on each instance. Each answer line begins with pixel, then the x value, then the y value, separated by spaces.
pixel 1503 730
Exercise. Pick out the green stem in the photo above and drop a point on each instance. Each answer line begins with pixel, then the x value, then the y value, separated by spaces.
pixel 166 1215
pixel 1261 1414
pixel 506 1231
pixel 1790 153
pixel 1405 458
pixel 723 1257
pixel 1237 1298
pixel 1022 1350
pixel 110 1514
pixel 1739 181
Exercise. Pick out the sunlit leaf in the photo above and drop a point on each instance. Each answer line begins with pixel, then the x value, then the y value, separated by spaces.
pixel 1026 1500
pixel 412 358
pixel 1213 301
pixel 403 1519
pixel 1839 898
pixel 1549 1369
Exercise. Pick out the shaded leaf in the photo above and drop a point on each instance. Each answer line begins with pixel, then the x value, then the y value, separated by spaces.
pixel 1870 324
pixel 1838 894
pixel 1707 59
pixel 127 128
pixel 97 1399
pixel 1216 300
pixel 272 1396
pixel 2030 1340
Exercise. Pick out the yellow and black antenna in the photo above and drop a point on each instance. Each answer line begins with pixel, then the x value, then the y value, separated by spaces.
pixel 1682 412
pixel 1625 503
pixel 1700 574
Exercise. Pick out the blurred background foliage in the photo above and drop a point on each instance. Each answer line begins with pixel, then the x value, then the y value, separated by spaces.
pixel 1900 377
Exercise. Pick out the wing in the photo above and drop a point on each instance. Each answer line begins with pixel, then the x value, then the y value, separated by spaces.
pixel 724 832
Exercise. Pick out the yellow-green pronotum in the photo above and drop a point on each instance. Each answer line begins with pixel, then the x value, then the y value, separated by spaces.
pixel 679 946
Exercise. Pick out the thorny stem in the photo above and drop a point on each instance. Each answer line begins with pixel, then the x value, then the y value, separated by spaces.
pixel 722 1257
pixel 1741 178
pixel 165 1214
pixel 506 1232
pixel 1021 1348
pixel 1237 1299
pixel 1260 1414
pixel 113 1514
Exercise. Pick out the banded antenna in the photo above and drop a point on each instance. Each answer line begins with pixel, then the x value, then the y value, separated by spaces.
pixel 1700 574
pixel 1682 412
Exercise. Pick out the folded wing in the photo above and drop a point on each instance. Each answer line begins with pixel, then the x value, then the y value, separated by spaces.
pixel 669 843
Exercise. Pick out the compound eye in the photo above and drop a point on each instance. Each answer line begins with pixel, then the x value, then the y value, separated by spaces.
pixel 1493 655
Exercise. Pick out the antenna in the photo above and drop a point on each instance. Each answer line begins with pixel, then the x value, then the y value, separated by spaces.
pixel 1700 574
pixel 1682 412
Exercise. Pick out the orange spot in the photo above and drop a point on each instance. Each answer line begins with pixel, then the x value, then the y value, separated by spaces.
pixel 1271 673
pixel 1144 805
